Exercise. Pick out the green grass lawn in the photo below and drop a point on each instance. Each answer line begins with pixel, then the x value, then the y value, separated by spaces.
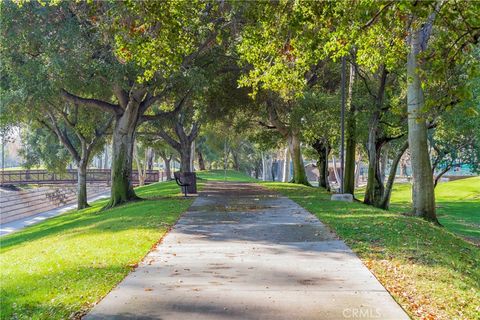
pixel 458 205
pixel 430 271
pixel 59 268
pixel 231 175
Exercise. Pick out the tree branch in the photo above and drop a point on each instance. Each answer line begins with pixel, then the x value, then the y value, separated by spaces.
pixel 102 105
pixel 63 137
pixel 168 139
pixel 266 125
pixel 121 95
pixel 273 117
pixel 375 17
pixel 166 114
pixel 194 132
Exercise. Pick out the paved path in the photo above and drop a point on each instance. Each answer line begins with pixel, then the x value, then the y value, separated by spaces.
pixel 13 226
pixel 242 252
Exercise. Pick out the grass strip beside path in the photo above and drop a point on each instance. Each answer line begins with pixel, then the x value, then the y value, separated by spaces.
pixel 430 271
pixel 228 175
pixel 59 268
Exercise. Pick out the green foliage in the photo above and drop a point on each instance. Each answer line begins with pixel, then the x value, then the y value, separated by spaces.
pixel 40 147
pixel 161 37
pixel 456 138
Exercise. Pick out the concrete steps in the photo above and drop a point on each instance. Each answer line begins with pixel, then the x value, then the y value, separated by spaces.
pixel 15 205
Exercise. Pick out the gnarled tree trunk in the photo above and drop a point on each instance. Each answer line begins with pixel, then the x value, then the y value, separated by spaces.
pixel 375 189
pixel 299 174
pixel 236 162
pixel 183 142
pixel 122 155
pixel 168 171
pixel 384 203
pixel 185 157
pixel 201 161
pixel 323 150
pixel 286 166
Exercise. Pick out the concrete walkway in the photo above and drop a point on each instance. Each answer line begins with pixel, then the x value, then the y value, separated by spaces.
pixel 242 252
pixel 13 226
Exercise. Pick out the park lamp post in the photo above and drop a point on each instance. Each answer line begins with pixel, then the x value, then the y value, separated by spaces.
pixel 342 196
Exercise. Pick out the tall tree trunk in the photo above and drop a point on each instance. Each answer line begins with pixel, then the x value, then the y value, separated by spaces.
pixel 264 167
pixel 167 164
pixel 150 158
pixel 274 169
pixel 105 162
pixel 323 150
pixel 286 165
pixel 335 171
pixel 192 156
pixel 299 174
pixel 257 171
pixel 423 191
pixel 122 155
pixel 384 162
pixel 358 165
pixel 141 168
pixel 185 157
pixel 385 202
pixel 168 170
pixel 236 162
pixel 82 184
pixel 372 159
pixel 374 184
pixel 351 138
pixel 201 162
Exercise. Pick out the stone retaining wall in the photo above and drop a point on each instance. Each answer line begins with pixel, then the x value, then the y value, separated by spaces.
pixel 23 203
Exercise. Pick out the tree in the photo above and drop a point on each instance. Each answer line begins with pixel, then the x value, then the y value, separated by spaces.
pixel 181 137
pixel 291 132
pixel 40 147
pixel 32 91
pixel 321 126
pixel 89 130
pixel 162 149
pixel 423 193
pixel 351 135
pixel 91 48
pixel 455 141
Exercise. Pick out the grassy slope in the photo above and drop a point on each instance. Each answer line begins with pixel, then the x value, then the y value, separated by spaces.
pixel 60 267
pixel 458 205
pixel 429 271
